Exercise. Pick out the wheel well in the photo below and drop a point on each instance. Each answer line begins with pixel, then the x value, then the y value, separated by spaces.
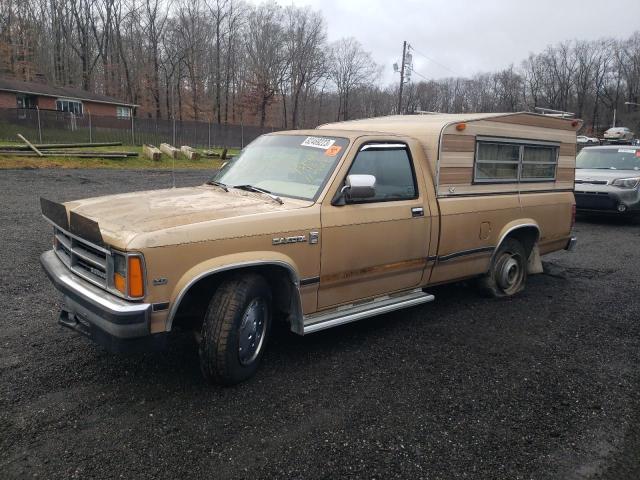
pixel 194 303
pixel 526 235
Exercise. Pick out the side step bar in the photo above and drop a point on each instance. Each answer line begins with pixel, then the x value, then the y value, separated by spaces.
pixel 352 313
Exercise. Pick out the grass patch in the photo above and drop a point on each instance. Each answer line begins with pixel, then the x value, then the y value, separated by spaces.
pixel 139 162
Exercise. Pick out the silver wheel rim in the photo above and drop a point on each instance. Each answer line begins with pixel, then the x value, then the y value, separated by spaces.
pixel 509 274
pixel 251 331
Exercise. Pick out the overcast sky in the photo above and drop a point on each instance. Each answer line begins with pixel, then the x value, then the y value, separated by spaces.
pixel 468 36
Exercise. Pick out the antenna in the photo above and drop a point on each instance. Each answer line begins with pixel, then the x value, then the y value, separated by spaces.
pixel 173 114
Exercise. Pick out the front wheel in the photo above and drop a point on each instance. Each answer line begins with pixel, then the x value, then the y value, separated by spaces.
pixel 508 271
pixel 235 329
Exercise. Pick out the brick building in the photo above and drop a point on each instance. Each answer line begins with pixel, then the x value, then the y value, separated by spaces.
pixel 18 94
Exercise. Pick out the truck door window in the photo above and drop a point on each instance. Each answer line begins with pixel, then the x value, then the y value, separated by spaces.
pixel 395 178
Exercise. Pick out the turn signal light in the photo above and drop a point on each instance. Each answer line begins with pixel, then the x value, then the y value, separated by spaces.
pixel 120 283
pixel 136 286
pixel 461 126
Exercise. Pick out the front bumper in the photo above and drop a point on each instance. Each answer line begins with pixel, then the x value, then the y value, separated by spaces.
pixel 116 324
pixel 606 199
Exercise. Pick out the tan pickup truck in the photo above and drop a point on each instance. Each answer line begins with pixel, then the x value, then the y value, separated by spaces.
pixel 317 228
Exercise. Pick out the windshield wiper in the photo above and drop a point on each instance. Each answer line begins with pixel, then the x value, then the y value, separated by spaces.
pixel 251 188
pixel 218 184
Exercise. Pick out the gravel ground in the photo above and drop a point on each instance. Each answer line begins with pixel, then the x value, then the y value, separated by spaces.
pixel 545 385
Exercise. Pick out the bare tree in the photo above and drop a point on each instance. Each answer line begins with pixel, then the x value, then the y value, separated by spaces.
pixel 350 67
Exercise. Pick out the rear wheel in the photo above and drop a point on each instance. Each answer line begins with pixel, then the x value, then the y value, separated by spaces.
pixel 235 329
pixel 508 271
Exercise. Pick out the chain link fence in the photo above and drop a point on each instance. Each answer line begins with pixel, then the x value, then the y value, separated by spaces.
pixel 49 126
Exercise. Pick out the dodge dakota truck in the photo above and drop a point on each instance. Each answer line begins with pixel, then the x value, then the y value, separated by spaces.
pixel 317 228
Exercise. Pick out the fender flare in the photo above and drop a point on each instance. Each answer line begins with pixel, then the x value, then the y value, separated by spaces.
pixel 232 262
pixel 513 226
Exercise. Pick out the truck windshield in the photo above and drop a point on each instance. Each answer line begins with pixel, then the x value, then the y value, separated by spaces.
pixel 289 165
pixel 609 158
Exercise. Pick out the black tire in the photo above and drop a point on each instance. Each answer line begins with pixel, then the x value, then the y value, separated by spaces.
pixel 508 271
pixel 224 331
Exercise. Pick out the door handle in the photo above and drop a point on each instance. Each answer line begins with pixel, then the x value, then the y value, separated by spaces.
pixel 417 212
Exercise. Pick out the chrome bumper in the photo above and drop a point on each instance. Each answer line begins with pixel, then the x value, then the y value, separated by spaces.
pixel 108 320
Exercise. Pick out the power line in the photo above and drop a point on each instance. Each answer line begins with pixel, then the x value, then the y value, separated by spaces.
pixel 432 60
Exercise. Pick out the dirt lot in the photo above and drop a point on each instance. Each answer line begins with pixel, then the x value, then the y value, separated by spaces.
pixel 545 385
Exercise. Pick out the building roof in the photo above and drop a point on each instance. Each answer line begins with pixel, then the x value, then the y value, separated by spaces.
pixel 47 90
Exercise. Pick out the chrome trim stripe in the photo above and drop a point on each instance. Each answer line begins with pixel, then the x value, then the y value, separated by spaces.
pixel 462 253
pixel 381 146
pixel 509 192
pixel 309 281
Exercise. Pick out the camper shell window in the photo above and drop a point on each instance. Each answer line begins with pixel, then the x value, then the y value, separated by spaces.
pixel 514 160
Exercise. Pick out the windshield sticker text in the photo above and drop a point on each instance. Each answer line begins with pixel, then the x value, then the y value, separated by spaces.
pixel 626 150
pixel 318 142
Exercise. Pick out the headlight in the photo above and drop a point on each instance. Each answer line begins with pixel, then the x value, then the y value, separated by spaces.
pixel 128 274
pixel 626 182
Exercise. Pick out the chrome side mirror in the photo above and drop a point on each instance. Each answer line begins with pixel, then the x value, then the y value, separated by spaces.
pixel 359 187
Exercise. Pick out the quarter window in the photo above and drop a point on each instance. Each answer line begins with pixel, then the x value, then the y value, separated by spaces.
pixel 393 171
pixel 513 162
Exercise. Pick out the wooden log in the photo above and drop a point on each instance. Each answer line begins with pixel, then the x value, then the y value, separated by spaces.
pixel 189 153
pixel 151 152
pixel 223 155
pixel 169 150
pixel 30 145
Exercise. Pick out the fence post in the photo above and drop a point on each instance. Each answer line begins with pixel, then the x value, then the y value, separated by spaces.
pixel 133 134
pixel 209 136
pixel 241 134
pixel 39 126
pixel 174 130
pixel 90 134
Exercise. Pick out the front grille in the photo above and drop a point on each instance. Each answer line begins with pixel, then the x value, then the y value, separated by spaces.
pixel 592 182
pixel 89 261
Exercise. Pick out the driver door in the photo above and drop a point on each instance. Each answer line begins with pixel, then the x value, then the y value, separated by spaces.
pixel 377 245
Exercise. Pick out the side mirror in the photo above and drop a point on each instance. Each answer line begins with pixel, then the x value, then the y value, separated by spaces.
pixel 359 187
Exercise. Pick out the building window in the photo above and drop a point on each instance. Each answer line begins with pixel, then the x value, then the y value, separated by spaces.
pixel 123 112
pixel 71 106
pixel 26 101
pixel 514 161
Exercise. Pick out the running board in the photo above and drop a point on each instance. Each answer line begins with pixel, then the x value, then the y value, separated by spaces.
pixel 353 313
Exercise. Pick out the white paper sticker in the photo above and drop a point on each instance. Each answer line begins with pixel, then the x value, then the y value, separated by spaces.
pixel 318 142
pixel 626 150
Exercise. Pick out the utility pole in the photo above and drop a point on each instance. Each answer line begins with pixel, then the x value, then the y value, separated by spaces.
pixel 404 55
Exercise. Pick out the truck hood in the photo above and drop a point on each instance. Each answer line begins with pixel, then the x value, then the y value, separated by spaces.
pixel 124 216
pixel 598 175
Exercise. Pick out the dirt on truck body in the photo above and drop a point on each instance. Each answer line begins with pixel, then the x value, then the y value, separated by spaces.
pixel 318 228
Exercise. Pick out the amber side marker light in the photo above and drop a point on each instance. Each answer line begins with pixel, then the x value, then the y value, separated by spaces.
pixel 136 287
pixel 461 126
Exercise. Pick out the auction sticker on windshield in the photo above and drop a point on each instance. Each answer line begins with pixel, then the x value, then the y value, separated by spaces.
pixel 626 150
pixel 318 142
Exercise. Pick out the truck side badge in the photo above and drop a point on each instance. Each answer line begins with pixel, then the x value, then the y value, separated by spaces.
pixel 313 238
